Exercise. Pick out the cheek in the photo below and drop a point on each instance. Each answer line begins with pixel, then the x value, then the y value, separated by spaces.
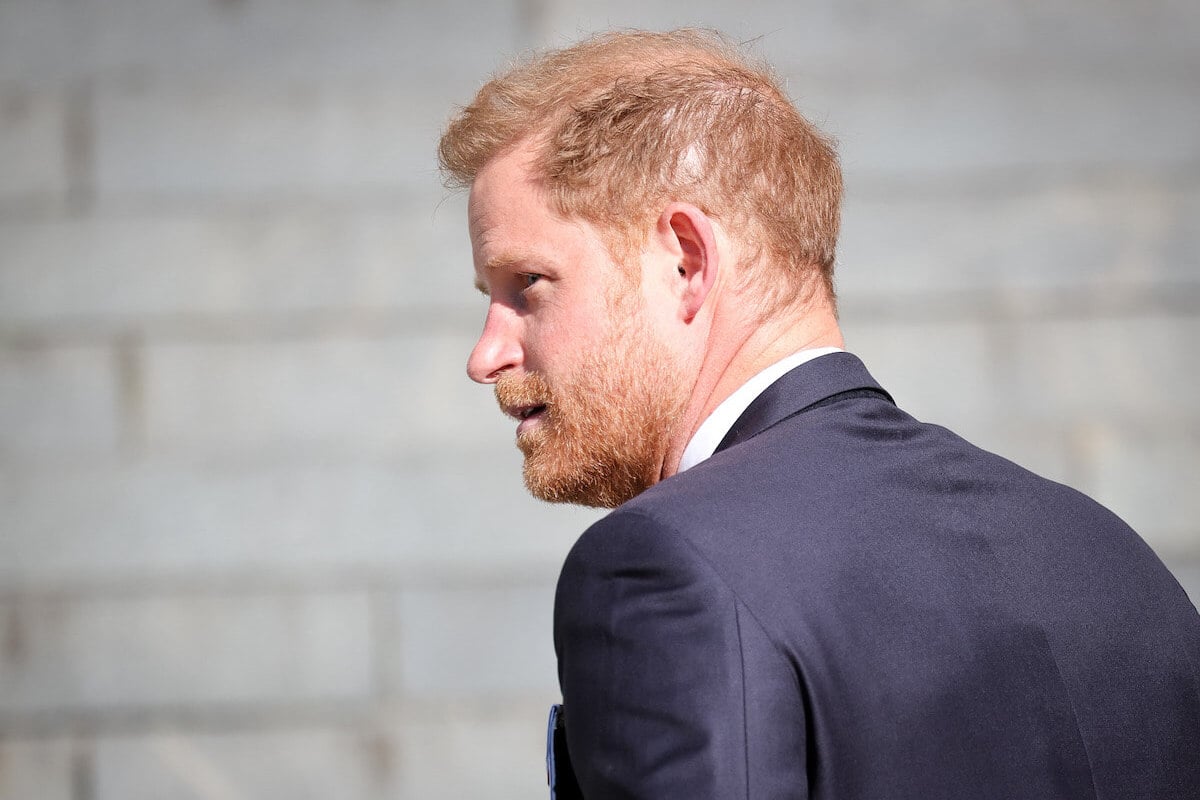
pixel 548 345
pixel 570 333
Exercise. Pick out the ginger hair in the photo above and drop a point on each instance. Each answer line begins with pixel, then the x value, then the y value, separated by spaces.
pixel 628 121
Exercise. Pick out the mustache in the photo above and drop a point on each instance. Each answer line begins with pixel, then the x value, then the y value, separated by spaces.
pixel 523 390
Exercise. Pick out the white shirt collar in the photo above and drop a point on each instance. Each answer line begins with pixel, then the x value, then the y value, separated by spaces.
pixel 710 433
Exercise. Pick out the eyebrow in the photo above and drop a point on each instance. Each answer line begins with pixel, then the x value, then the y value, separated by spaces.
pixel 500 262
pixel 506 261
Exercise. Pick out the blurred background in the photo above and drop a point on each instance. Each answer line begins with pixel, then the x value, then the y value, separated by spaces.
pixel 261 538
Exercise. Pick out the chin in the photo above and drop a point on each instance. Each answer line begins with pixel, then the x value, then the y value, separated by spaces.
pixel 600 486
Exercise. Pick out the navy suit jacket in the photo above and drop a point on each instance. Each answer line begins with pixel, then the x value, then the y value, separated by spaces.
pixel 844 602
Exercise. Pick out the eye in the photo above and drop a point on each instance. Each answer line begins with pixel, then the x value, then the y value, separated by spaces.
pixel 529 278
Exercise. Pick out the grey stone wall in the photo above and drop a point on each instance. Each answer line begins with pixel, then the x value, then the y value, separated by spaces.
pixel 260 537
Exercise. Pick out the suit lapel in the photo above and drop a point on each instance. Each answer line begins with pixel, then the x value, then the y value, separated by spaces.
pixel 807 386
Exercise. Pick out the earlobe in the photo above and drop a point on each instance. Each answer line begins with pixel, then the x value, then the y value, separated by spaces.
pixel 691 231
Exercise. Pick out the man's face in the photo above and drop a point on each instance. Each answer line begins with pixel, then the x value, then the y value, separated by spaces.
pixel 570 345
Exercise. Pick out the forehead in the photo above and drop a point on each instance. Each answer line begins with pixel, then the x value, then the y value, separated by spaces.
pixel 511 218
pixel 502 194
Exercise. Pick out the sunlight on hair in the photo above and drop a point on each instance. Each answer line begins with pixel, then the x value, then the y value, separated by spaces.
pixel 627 122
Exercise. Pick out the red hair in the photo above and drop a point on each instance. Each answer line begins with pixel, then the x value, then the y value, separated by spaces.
pixel 627 121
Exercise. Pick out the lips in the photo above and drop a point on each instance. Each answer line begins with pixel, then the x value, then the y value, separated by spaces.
pixel 526 413
pixel 528 416
pixel 526 398
pixel 522 413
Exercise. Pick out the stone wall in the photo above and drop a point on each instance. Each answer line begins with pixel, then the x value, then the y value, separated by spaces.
pixel 260 537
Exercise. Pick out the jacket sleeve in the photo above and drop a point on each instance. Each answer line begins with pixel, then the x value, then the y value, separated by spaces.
pixel 652 668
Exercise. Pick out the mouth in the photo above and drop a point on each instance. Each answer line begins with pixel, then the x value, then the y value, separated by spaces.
pixel 526 415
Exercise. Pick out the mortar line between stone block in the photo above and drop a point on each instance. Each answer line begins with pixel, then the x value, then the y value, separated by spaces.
pixel 83 763
pixel 79 145
pixel 533 18
pixel 384 641
pixel 256 583
pixel 131 395
pixel 87 723
pixel 1174 300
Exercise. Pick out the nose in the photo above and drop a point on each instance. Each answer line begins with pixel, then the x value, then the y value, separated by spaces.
pixel 498 348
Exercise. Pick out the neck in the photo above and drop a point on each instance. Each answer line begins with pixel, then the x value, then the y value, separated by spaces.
pixel 738 347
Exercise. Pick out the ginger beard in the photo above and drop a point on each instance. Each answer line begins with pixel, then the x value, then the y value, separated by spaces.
pixel 603 435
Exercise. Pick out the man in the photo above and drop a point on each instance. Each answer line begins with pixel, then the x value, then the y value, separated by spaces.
pixel 802 591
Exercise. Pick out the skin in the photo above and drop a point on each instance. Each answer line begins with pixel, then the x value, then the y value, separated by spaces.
pixel 549 280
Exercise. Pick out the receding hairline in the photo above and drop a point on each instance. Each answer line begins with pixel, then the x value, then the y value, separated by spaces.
pixel 624 121
pixel 586 69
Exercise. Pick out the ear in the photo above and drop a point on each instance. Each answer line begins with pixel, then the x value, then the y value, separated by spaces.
pixel 689 234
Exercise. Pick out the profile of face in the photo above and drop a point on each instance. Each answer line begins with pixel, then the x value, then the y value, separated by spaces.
pixel 569 344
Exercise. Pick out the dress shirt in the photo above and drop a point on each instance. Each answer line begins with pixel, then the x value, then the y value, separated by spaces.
pixel 710 433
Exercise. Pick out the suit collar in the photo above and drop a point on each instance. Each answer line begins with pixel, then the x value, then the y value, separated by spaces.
pixel 797 391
